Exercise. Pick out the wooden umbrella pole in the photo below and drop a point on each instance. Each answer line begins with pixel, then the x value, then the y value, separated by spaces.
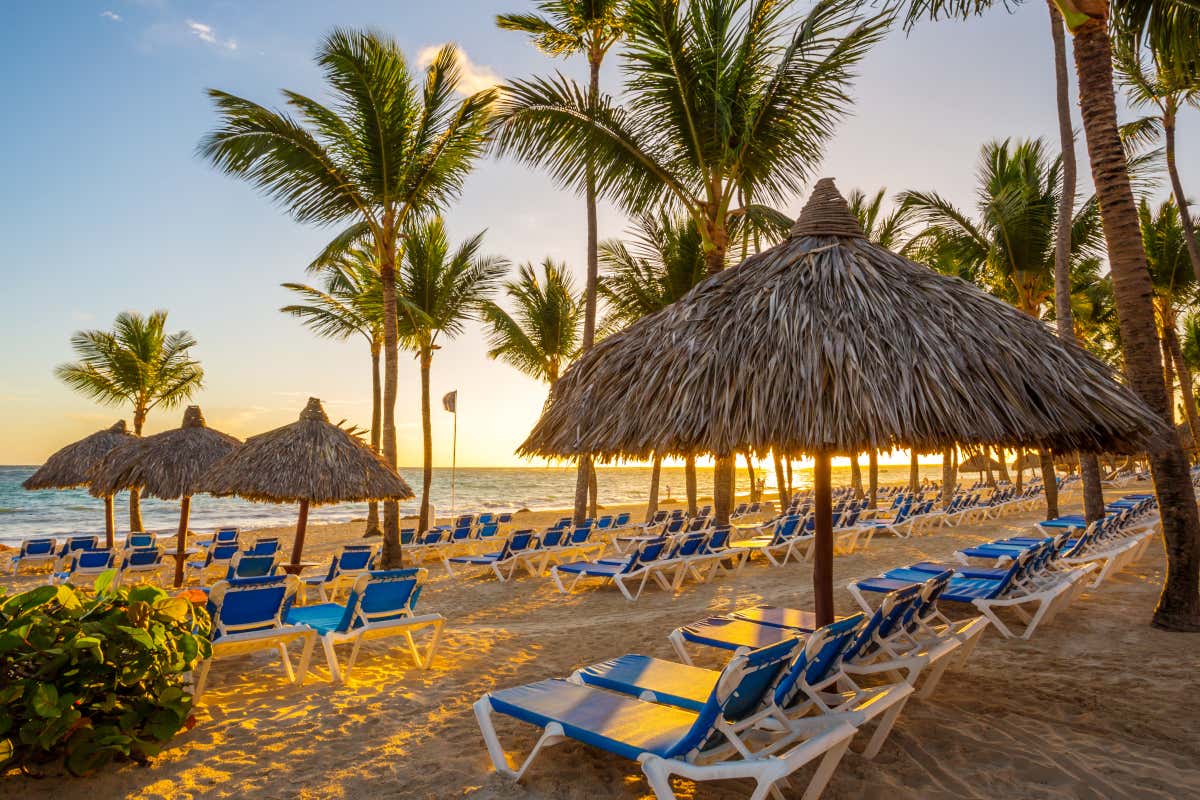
pixel 823 560
pixel 185 509
pixel 298 545
pixel 109 524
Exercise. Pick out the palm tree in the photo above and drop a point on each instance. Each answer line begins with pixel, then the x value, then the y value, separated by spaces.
pixel 541 335
pixel 561 29
pixel 139 363
pixel 388 148
pixel 1174 283
pixel 727 100
pixel 1168 87
pixel 662 261
pixel 885 230
pixel 438 289
pixel 348 304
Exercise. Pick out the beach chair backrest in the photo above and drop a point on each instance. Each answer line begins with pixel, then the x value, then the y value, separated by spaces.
pixel 554 537
pixel 251 605
pixel 818 659
pixel 461 533
pixel 648 553
pixel 381 596
pixel 36 547
pixel 741 689
pixel 76 543
pixel 143 557
pixel 581 534
pixel 622 519
pixel 675 526
pixel 463 521
pixel 354 558
pixel 520 541
pixel 226 536
pixel 221 553
pixel 488 530
pixel 605 522
pixel 786 529
pixel 689 546
pixel 718 539
pixel 265 546
pixel 137 541
pixel 244 565
pixel 86 561
pixel 890 607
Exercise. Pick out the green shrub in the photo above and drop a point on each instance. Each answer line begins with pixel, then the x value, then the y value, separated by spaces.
pixel 86 679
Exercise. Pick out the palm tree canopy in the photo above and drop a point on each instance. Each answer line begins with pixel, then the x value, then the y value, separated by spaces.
pixel 384 148
pixel 1010 244
pixel 565 27
pixel 1166 250
pixel 724 96
pixel 885 230
pixel 439 288
pixel 349 301
pixel 541 334
pixel 136 360
pixel 661 263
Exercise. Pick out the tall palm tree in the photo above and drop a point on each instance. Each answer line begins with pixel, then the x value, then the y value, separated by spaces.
pixel 388 148
pixel 1014 240
pixel 138 363
pixel 541 335
pixel 662 261
pixel 886 230
pixel 438 289
pixel 348 304
pixel 1168 87
pixel 560 29
pixel 726 100
pixel 1164 239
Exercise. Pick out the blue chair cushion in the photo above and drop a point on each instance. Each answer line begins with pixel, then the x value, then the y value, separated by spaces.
pixel 620 725
pixel 730 634
pixel 322 617
pixel 672 683
pixel 604 570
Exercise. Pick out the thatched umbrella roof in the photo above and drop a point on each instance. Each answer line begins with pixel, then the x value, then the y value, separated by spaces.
pixel 167 465
pixel 828 342
pixel 311 461
pixel 1027 461
pixel 69 467
pixel 977 463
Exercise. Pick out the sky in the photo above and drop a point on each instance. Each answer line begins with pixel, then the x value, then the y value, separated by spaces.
pixel 105 207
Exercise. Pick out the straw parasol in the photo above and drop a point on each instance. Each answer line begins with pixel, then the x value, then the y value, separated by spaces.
pixel 168 466
pixel 1027 461
pixel 979 463
pixel 824 344
pixel 69 467
pixel 312 462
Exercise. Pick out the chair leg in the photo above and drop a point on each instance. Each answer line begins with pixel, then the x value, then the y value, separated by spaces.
pixel 883 730
pixel 335 672
pixel 201 678
pixel 551 736
pixel 287 661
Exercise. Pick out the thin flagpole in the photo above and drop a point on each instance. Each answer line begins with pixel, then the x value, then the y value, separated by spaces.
pixel 454 461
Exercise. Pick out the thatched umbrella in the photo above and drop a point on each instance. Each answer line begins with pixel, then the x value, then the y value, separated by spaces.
pixel 168 466
pixel 312 462
pixel 981 463
pixel 1027 461
pixel 69 467
pixel 824 344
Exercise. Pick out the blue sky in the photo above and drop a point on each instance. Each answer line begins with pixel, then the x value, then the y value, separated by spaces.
pixel 105 207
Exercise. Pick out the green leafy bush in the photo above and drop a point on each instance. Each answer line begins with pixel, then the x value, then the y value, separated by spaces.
pixel 86 679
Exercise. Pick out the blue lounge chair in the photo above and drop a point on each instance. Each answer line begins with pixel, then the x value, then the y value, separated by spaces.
pixel 243 566
pixel 33 552
pixel 263 546
pixel 142 540
pixel 666 740
pixel 380 604
pixel 248 616
pixel 74 543
pixel 144 562
pixel 346 566
pixel 637 567
pixel 216 560
pixel 504 562
pixel 78 565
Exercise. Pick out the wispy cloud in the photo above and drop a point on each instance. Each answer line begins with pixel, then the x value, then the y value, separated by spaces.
pixel 475 77
pixel 206 34
pixel 111 15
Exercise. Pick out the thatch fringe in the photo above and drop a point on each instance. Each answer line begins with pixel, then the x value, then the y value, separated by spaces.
pixel 69 467
pixel 311 459
pixel 167 465
pixel 830 343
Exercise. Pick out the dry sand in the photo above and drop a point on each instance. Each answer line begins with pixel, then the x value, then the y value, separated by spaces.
pixel 1097 705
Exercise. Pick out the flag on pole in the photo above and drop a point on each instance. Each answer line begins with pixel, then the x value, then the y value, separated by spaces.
pixel 450 402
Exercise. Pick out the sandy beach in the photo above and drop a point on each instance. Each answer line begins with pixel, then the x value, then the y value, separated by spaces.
pixel 1096 705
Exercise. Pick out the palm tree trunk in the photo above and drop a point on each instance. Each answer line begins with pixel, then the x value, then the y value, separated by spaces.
pixel 109 523
pixel 1049 482
pixel 585 478
pixel 987 466
pixel 592 489
pixel 1001 457
pixel 655 478
pixel 1189 232
pixel 856 477
pixel 872 479
pixel 1185 384
pixel 914 472
pixel 753 480
pixel 135 494
pixel 185 508
pixel 948 477
pixel 1089 466
pixel 1020 468
pixel 1179 604
pixel 392 556
pixel 1168 367
pixel 426 441
pixel 791 486
pixel 723 488
pixel 780 483
pixel 376 410
pixel 689 479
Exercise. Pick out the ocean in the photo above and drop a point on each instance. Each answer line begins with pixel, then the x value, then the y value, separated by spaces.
pixel 24 514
